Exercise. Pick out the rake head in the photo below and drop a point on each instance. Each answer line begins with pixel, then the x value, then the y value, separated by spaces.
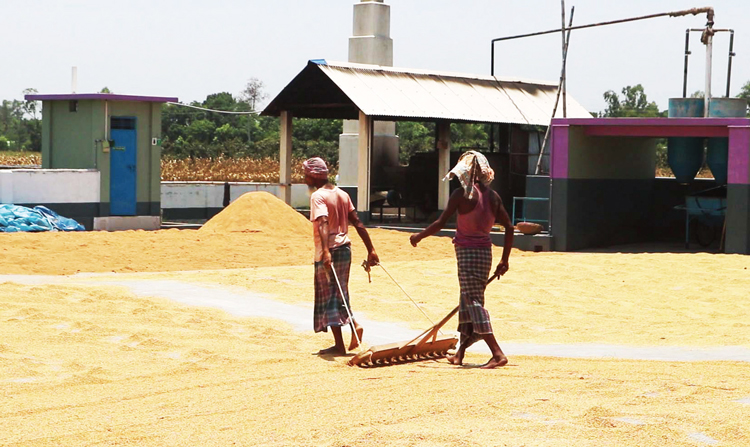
pixel 397 353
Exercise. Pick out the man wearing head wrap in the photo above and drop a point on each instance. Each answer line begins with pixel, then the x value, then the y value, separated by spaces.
pixel 331 211
pixel 478 207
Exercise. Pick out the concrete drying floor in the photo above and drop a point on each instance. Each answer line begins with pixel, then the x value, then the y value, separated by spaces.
pixel 193 338
pixel 245 303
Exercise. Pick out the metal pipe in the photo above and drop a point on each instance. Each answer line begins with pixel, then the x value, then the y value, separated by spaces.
pixel 709 11
pixel 687 54
pixel 538 168
pixel 492 58
pixel 731 55
pixel 708 40
pixel 693 11
pixel 562 35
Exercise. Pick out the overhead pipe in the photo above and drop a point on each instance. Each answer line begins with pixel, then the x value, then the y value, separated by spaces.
pixel 709 11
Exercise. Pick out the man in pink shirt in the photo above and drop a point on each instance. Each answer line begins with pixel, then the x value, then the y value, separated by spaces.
pixel 331 211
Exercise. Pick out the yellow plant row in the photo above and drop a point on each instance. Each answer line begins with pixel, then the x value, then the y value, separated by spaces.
pixel 20 158
pixel 195 169
pixel 226 169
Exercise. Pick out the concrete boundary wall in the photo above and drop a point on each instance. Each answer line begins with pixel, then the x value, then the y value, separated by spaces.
pixel 202 200
pixel 43 186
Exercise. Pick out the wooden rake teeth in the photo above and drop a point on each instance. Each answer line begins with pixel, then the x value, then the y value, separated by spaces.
pixel 400 359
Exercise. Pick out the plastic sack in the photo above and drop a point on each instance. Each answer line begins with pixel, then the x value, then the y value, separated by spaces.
pixel 59 222
pixel 15 218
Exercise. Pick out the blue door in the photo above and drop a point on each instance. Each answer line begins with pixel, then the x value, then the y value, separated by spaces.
pixel 122 167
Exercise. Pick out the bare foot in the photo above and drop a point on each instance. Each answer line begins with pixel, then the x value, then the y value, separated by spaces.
pixel 495 362
pixel 457 359
pixel 333 350
pixel 355 342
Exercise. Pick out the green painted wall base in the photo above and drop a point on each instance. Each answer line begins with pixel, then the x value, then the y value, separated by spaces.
pixel 738 219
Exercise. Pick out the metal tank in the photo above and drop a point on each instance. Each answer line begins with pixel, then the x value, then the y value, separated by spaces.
pixel 717 156
pixel 685 155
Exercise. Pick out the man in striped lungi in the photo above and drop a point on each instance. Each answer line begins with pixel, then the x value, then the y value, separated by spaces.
pixel 331 211
pixel 478 207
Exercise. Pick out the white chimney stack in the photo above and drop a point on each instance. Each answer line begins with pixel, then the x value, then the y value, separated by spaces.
pixel 74 80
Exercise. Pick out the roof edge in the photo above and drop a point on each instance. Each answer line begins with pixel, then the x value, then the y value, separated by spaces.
pixel 373 67
pixel 97 96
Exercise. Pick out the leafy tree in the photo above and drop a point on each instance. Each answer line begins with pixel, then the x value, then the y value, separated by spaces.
pixel 201 131
pixel 105 90
pixel 634 103
pixel 31 108
pixel 20 125
pixel 414 137
pixel 469 135
pixel 745 94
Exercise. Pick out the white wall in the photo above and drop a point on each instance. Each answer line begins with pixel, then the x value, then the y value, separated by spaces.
pixel 211 194
pixel 33 186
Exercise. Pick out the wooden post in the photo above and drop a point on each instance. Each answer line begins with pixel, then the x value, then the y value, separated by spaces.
pixel 444 160
pixel 285 157
pixel 363 166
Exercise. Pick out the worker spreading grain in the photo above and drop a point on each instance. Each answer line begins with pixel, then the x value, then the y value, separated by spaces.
pixel 479 207
pixel 331 211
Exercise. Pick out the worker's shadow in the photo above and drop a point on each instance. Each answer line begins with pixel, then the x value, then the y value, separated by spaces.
pixel 333 357
pixel 480 365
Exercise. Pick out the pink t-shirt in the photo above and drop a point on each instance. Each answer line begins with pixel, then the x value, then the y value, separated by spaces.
pixel 336 204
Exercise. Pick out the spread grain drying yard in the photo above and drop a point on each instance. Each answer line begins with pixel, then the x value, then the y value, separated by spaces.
pixel 183 337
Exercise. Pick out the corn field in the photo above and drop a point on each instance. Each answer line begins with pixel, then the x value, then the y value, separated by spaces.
pixel 219 169
pixel 230 169
pixel 20 158
pixel 705 172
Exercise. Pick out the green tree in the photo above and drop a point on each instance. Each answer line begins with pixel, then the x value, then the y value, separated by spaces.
pixel 634 103
pixel 745 94
pixel 201 131
pixel 20 125
pixel 33 121
pixel 414 137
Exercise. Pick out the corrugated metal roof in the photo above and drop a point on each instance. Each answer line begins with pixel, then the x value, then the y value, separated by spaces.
pixel 387 92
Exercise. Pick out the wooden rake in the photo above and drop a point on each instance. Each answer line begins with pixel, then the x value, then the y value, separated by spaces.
pixel 429 345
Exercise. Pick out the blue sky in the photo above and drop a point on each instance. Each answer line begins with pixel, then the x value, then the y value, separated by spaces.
pixel 190 48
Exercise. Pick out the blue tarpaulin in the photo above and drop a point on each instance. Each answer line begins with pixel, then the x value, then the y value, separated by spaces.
pixel 14 218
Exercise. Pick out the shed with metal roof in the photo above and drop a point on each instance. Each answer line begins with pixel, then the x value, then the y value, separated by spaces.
pixel 371 93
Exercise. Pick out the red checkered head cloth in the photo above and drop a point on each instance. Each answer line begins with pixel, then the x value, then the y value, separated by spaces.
pixel 316 168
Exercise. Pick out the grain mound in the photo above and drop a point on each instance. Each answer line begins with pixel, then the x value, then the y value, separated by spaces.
pixel 259 212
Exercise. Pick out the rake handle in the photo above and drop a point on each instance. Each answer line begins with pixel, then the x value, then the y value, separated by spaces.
pixel 343 298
